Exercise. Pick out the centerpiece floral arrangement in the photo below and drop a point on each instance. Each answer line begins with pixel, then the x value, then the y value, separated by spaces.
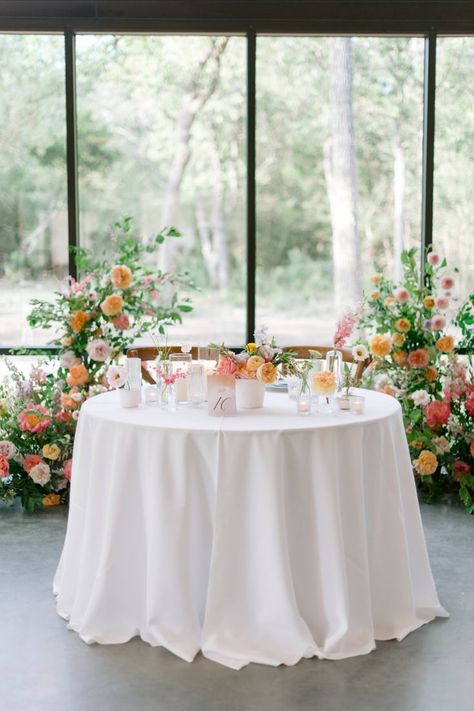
pixel 411 329
pixel 95 320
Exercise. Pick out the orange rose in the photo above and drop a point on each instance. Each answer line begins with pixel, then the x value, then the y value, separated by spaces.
pixel 51 500
pixel 402 325
pixel 112 305
pixel 68 403
pixel 121 277
pixel 78 375
pixel 78 321
pixel 445 344
pixel 381 345
pixel 399 357
pixel 426 464
pixel 428 302
pixel 431 373
pixel 398 339
pixel 267 373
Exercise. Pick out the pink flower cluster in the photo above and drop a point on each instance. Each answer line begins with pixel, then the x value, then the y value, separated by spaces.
pixel 344 328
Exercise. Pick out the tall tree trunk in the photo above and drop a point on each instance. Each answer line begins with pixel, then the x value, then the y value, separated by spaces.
pixel 340 172
pixel 219 232
pixel 201 86
pixel 398 202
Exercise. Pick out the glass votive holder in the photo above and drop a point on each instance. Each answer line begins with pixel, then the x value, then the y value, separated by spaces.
pixel 356 404
pixel 181 362
pixel 303 402
pixel 151 395
pixel 195 382
pixel 293 384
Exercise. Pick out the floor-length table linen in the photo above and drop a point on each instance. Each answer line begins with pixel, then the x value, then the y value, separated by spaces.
pixel 265 537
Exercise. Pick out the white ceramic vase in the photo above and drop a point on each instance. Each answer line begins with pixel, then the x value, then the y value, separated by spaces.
pixel 249 394
pixel 130 398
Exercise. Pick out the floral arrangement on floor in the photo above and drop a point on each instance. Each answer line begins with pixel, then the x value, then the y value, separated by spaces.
pixel 257 361
pixel 414 360
pixel 95 319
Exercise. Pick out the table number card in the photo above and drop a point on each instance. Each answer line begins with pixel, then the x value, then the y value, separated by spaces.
pixel 221 395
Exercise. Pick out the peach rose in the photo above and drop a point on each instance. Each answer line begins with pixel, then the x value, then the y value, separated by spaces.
pixel 68 403
pixel 402 325
pixel 375 295
pixel 324 382
pixel 121 276
pixel 31 461
pixel 4 467
pixel 418 358
pixel 431 373
pixel 445 344
pixel 428 302
pixel 399 357
pixel 112 305
pixel 78 375
pixel 398 339
pixel 246 374
pixel 51 500
pixel 267 373
pixel 427 463
pixel 226 365
pixel 381 345
pixel 376 279
pixel 78 320
pixel 254 362
pixel 51 451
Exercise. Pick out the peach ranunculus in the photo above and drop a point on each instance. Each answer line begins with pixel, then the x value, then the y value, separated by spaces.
pixel 445 344
pixel 78 320
pixel 78 375
pixel 398 339
pixel 403 325
pixel 431 373
pixel 112 305
pixel 399 357
pixel 68 403
pixel 254 362
pixel 51 500
pixel 381 345
pixel 31 461
pixel 51 451
pixel 429 302
pixel 34 418
pixel 324 382
pixel 418 358
pixel 121 276
pixel 427 463
pixel 267 373
pixel 226 365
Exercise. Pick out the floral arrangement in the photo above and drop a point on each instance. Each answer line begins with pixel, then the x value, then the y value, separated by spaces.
pixel 413 358
pixel 257 361
pixel 95 320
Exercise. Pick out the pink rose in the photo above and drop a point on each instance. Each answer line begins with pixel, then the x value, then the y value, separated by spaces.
pixel 67 469
pixel 147 281
pixel 401 294
pixel 40 473
pixel 4 466
pixel 122 322
pixel 68 359
pixel 155 295
pixel 99 350
pixel 226 365
pixel 418 358
pixel 447 283
pixel 438 322
pixel 470 404
pixel 442 302
pixel 437 413
pixel 433 258
pixel 31 461
pixel 7 449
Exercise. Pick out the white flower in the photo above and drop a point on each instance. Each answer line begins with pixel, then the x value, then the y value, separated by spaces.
pixel 186 347
pixel 116 376
pixel 454 425
pixel 99 350
pixel 75 415
pixel 40 473
pixel 441 444
pixel 360 352
pixel 77 397
pixel 7 449
pixel 260 336
pixel 68 359
pixel 420 398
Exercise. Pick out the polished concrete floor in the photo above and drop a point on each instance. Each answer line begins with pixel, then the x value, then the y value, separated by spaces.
pixel 43 666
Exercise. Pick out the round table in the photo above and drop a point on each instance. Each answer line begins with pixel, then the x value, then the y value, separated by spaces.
pixel 264 537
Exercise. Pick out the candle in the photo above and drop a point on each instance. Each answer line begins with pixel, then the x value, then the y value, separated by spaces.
pixel 356 404
pixel 304 407
pixel 181 390
pixel 197 398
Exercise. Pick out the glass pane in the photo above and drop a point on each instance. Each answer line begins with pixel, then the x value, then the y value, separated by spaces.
pixel 339 141
pixel 161 138
pixel 453 218
pixel 33 193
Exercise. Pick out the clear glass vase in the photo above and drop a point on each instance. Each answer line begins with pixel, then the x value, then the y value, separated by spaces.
pixel 304 398
pixel 334 364
pixel 167 395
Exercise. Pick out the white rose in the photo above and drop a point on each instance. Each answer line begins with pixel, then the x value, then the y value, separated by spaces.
pixel 7 449
pixel 420 398
pixel 68 359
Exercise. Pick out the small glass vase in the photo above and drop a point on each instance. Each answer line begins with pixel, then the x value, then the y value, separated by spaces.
pixel 167 395
pixel 304 398
pixel 334 365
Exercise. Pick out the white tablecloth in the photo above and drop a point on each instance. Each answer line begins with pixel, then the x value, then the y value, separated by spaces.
pixel 265 537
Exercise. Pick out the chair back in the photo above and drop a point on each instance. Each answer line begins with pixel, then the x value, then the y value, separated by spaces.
pixel 149 353
pixel 347 357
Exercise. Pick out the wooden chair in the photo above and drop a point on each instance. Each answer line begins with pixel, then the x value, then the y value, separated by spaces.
pixel 303 352
pixel 149 353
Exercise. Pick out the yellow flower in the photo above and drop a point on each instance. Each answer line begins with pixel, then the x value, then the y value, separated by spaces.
pixel 51 500
pixel 426 464
pixel 112 305
pixel 251 347
pixel 376 279
pixel 324 382
pixel 416 444
pixel 398 339
pixel 381 345
pixel 375 295
pixel 267 373
pixel 389 300
pixel 402 325
pixel 428 302
pixel 51 451
pixel 445 344
pixel 254 362
pixel 78 321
